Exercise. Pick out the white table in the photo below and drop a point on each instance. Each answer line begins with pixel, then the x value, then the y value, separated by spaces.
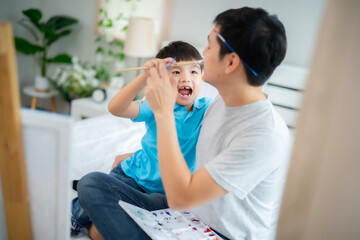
pixel 87 107
pixel 32 92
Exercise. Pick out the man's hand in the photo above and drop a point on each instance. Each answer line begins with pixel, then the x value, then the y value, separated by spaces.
pixel 161 91
pixel 120 158
pixel 154 63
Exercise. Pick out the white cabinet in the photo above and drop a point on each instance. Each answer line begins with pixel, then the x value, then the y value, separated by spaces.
pixel 86 107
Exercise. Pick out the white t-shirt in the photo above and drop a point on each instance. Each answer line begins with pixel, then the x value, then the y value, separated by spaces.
pixel 245 150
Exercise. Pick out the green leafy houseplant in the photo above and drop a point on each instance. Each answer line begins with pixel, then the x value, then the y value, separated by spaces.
pixel 109 46
pixel 45 33
pixel 109 50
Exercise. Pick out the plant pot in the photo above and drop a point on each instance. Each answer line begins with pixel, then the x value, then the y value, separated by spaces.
pixel 42 84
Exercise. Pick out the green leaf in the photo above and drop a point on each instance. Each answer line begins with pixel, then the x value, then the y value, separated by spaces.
pixel 99 50
pixel 121 56
pixel 109 23
pixel 61 21
pixel 101 23
pixel 25 47
pixel 101 10
pixel 98 39
pixel 47 28
pixel 120 44
pixel 51 38
pixel 61 58
pixel 124 28
pixel 33 14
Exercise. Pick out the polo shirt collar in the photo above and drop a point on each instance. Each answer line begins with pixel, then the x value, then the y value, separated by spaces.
pixel 197 104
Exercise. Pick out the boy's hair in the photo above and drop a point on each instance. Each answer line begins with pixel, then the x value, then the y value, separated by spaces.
pixel 181 50
pixel 257 37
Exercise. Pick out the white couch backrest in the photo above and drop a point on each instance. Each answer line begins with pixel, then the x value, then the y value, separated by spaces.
pixel 47 141
pixel 285 89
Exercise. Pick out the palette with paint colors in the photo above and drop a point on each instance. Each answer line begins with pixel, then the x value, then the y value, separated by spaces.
pixel 168 224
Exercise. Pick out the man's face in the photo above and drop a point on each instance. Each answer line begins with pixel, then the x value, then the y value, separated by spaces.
pixel 189 81
pixel 211 57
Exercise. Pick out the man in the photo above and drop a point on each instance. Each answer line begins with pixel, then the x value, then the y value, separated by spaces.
pixel 241 151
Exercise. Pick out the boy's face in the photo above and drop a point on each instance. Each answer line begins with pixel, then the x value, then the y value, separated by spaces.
pixel 189 81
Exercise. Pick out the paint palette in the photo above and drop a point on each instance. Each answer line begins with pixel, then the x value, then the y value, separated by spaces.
pixel 169 224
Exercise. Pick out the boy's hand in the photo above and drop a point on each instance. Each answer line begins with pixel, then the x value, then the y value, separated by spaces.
pixel 161 91
pixel 120 158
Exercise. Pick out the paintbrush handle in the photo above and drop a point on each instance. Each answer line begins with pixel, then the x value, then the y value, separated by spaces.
pixel 131 69
pixel 174 65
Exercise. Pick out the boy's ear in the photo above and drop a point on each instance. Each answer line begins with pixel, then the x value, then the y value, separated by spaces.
pixel 233 62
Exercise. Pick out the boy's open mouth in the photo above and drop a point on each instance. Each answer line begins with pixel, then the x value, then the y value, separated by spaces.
pixel 185 91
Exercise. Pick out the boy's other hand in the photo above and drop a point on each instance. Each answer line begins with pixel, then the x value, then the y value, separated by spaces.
pixel 120 158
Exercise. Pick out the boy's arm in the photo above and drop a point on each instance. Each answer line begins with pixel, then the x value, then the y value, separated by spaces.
pixel 123 104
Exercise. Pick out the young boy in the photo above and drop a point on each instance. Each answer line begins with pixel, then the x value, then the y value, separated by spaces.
pixel 141 171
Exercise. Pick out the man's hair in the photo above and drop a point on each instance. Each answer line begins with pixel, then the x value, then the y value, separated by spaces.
pixel 257 37
pixel 181 50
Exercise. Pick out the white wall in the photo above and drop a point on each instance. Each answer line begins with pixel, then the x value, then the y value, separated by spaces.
pixel 193 21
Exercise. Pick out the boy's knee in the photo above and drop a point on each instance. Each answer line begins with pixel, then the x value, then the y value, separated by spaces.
pixel 88 182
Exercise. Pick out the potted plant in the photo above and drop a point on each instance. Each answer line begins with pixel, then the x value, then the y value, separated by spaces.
pixel 75 81
pixel 45 33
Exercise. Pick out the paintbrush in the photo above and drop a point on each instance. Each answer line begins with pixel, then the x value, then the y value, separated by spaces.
pixel 174 65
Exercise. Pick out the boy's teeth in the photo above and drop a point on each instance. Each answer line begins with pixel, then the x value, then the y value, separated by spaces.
pixel 185 91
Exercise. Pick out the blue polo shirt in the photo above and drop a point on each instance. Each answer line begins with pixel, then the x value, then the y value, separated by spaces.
pixel 143 166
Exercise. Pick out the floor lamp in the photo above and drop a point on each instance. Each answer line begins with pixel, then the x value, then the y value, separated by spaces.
pixel 139 43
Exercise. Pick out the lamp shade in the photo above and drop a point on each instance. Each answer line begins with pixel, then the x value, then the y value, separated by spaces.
pixel 140 38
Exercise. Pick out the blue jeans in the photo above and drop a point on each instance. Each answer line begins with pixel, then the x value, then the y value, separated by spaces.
pixel 80 215
pixel 99 194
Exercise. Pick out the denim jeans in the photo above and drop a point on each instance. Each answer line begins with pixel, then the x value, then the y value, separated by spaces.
pixel 79 214
pixel 99 194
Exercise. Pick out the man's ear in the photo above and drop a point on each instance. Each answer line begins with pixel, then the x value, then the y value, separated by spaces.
pixel 233 62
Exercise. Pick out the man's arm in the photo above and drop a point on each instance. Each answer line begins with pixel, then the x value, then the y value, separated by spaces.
pixel 183 189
